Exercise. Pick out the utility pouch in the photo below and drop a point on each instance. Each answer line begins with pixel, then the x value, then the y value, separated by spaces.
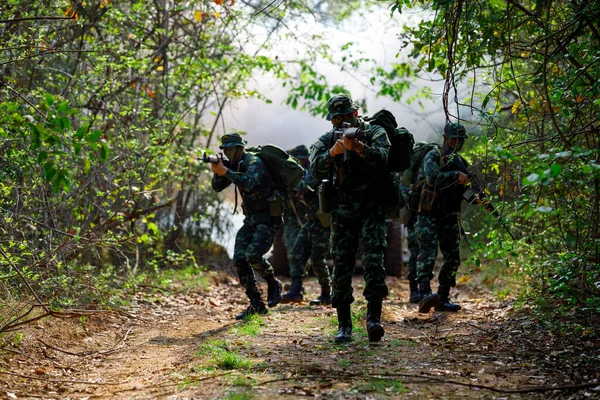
pixel 326 196
pixel 414 197
pixel 275 204
pixel 324 219
pixel 404 215
pixel 429 200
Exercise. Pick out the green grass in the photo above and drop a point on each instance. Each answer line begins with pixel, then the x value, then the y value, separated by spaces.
pixel 223 356
pixel 238 396
pixel 344 363
pixel 243 381
pixel 251 326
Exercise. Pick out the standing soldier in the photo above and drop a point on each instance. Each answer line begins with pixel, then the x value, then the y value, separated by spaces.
pixel 312 240
pixel 355 167
pixel 438 220
pixel 250 175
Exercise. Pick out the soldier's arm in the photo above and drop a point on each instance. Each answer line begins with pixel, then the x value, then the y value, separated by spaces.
pixel 249 179
pixel 435 177
pixel 321 163
pixel 376 155
pixel 219 183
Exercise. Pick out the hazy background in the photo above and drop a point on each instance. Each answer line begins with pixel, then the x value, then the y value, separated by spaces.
pixel 377 35
pixel 277 123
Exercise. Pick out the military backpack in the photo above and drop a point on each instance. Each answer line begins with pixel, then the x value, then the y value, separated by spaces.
pixel 285 171
pixel 401 139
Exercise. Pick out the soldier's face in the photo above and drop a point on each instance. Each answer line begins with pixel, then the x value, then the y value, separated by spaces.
pixel 455 144
pixel 351 118
pixel 233 153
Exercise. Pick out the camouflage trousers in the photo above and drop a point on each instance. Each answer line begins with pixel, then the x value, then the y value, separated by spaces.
pixel 312 242
pixel 252 242
pixel 353 224
pixel 413 248
pixel 291 228
pixel 435 229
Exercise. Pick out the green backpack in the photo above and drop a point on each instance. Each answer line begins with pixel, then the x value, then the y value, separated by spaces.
pixel 401 139
pixel 284 169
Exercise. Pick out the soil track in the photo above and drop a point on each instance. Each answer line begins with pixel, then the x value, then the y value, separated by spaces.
pixel 189 346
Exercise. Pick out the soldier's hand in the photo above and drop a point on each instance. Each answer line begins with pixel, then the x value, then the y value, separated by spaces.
pixel 354 145
pixel 337 148
pixel 463 178
pixel 219 168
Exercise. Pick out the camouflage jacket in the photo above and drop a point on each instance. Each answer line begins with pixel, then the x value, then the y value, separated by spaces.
pixel 361 175
pixel 253 181
pixel 441 176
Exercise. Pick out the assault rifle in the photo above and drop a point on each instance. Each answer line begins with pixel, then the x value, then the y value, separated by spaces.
pixel 475 192
pixel 214 159
pixel 346 130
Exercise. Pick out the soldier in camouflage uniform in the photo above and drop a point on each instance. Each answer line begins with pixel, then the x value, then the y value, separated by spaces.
pixel 438 220
pixel 413 248
pixel 248 172
pixel 358 216
pixel 311 242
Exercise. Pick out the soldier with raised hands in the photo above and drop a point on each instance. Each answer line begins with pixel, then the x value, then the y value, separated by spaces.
pixel 354 167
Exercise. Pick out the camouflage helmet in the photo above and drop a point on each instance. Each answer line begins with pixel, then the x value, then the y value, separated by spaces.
pixel 300 151
pixel 455 130
pixel 340 104
pixel 231 140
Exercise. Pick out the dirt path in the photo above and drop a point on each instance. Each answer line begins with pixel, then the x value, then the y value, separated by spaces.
pixel 189 346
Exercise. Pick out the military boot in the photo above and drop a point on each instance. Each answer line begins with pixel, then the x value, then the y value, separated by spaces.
pixel 415 295
pixel 428 299
pixel 374 328
pixel 344 333
pixel 445 304
pixel 294 294
pixel 324 298
pixel 288 286
pixel 273 291
pixel 256 307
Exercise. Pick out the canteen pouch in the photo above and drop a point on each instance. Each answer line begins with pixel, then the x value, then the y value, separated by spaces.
pixel 429 200
pixel 275 204
pixel 326 196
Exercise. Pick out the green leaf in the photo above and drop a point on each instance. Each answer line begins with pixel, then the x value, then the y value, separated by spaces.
pixel 555 170
pixel 531 179
pixel 87 165
pixel 104 151
pixel 95 136
pixel 49 170
pixel 49 98
pixel 42 156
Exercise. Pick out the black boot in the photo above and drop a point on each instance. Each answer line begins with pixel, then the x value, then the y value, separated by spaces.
pixel 428 299
pixel 256 307
pixel 294 294
pixel 344 333
pixel 324 298
pixel 374 328
pixel 273 291
pixel 288 286
pixel 445 304
pixel 415 295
